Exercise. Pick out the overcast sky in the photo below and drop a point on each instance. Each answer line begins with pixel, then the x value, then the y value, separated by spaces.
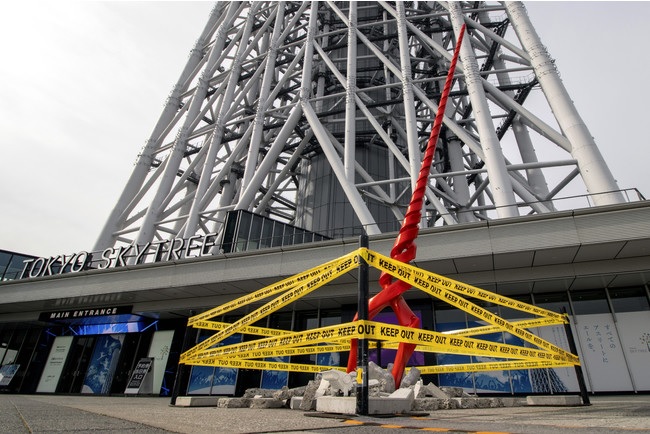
pixel 83 83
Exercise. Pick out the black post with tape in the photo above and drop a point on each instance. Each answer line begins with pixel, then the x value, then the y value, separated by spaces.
pixel 574 350
pixel 362 349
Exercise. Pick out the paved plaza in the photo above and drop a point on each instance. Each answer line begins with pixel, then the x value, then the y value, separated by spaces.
pixel 139 415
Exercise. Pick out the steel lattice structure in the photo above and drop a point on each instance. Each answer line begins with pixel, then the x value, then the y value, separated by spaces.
pixel 317 114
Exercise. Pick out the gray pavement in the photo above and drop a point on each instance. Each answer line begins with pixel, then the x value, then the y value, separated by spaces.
pixel 81 414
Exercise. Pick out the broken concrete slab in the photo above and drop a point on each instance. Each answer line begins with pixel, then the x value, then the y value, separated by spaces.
pixel 403 393
pixel 234 402
pixel 196 401
pixel 383 376
pixel 339 382
pixel 453 392
pixel 266 403
pixel 259 392
pixel 308 399
pixel 348 405
pixel 554 400
pixel 411 377
pixel 434 391
pixel 286 393
pixel 295 401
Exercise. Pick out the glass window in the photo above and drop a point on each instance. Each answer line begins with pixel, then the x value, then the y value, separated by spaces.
pixel 508 313
pixel 629 299
pixel 5 337
pixel 278 233
pixel 288 236
pixel 305 320
pixel 12 265
pixel 553 301
pixel 298 236
pixel 448 317
pixel 229 232
pixel 255 233
pixel 330 317
pixel 281 320
pixel 242 231
pixel 5 257
pixel 267 233
pixel 589 302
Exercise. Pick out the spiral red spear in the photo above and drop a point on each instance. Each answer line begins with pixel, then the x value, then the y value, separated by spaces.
pixel 404 248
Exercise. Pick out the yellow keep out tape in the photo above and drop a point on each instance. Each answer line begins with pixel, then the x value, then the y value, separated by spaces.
pixel 493 366
pixel 262 364
pixel 337 338
pixel 427 282
pixel 316 340
pixel 310 282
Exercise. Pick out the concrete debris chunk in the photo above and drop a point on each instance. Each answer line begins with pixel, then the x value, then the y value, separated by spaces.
pixel 323 388
pixel 286 393
pixel 259 393
pixel 411 377
pixel 340 383
pixel 434 391
pixel 375 388
pixel 234 403
pixel 309 398
pixel 402 393
pixel 335 391
pixel 385 378
pixel 266 403
pixel 453 392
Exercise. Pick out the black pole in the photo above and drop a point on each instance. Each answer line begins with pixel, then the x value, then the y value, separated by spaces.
pixel 379 354
pixel 574 350
pixel 182 370
pixel 362 346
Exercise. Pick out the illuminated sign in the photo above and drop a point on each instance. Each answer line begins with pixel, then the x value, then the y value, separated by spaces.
pixel 85 313
pixel 114 257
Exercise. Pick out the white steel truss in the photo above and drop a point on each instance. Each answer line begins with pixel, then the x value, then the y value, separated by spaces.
pixel 283 103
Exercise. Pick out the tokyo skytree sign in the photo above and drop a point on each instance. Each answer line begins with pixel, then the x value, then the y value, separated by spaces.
pixel 317 114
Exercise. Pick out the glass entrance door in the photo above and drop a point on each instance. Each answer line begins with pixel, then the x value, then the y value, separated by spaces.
pixel 77 363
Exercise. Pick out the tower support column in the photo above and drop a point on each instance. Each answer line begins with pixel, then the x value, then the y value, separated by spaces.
pixel 598 179
pixel 504 198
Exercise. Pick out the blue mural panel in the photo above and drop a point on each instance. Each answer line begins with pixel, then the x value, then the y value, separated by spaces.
pixel 275 380
pixel 99 375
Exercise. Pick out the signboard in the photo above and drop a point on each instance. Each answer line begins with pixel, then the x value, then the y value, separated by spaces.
pixel 103 362
pixel 634 328
pixel 159 351
pixel 114 257
pixel 602 353
pixel 561 379
pixel 85 313
pixel 142 378
pixel 7 372
pixel 54 365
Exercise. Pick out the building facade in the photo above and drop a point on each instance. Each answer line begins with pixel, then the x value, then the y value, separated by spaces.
pixel 86 331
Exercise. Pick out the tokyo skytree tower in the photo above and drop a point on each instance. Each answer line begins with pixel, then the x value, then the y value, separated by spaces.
pixel 316 114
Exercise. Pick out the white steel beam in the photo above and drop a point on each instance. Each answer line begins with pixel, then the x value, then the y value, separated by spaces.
pixel 349 156
pixel 598 179
pixel 499 179
pixel 283 106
